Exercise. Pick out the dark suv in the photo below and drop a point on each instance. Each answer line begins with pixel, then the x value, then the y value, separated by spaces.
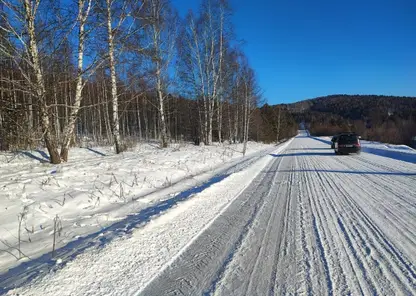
pixel 347 143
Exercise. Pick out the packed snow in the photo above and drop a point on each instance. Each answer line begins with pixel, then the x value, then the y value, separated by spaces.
pixel 95 189
pixel 311 223
pixel 292 219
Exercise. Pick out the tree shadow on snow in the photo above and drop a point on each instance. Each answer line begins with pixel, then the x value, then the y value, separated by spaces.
pixel 27 271
pixel 321 140
pixel 350 172
pixel 96 151
pixel 306 149
pixel 43 154
pixel 35 157
pixel 303 154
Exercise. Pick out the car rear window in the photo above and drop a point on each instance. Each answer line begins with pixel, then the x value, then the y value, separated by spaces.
pixel 348 139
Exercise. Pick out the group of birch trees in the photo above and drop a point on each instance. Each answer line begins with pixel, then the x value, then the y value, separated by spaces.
pixel 116 71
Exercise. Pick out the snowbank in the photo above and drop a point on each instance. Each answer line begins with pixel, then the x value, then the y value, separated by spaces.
pixel 399 152
pixel 94 190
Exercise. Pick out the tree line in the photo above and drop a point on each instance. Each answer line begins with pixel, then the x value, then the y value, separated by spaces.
pixel 117 71
pixel 385 119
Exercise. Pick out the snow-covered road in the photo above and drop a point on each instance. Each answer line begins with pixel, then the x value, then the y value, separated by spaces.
pixel 300 221
pixel 311 223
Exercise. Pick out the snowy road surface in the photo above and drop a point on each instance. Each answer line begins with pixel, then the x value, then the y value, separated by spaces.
pixel 311 223
pixel 301 221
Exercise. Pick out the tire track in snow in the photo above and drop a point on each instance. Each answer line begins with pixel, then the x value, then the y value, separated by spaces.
pixel 393 212
pixel 389 180
pixel 363 237
pixel 317 234
pixel 315 221
pixel 380 235
pixel 306 253
pixel 355 208
pixel 390 251
pixel 284 224
pixel 386 200
pixel 351 245
pixel 372 161
pixel 218 244
pixel 275 201
pixel 260 242
pixel 338 235
pixel 378 274
pixel 249 284
pixel 389 183
pixel 307 240
pixel 329 236
pixel 286 270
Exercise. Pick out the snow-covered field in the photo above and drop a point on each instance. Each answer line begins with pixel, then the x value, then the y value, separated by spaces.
pixel 292 219
pixel 94 190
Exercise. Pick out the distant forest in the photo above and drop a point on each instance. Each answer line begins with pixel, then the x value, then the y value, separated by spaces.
pixel 386 119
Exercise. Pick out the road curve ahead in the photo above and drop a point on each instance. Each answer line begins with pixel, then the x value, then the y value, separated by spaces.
pixel 311 223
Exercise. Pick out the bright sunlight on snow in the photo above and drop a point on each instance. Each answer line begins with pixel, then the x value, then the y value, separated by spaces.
pixel 92 191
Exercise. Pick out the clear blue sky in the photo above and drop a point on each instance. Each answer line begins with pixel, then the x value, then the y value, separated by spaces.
pixel 302 49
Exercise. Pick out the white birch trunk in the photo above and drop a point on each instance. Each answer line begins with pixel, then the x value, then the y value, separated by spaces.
pixel 237 109
pixel 70 126
pixel 163 134
pixel 40 90
pixel 156 14
pixel 114 98
pixel 246 120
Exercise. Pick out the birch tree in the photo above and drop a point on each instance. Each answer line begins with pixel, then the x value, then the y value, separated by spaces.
pixel 113 76
pixel 162 32
pixel 103 70
pixel 84 7
pixel 30 12
pixel 120 27
pixel 35 62
pixel 213 20
pixel 20 19
pixel 201 50
pixel 250 92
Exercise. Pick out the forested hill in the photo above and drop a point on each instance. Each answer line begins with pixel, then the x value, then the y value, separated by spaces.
pixel 358 106
pixel 380 118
